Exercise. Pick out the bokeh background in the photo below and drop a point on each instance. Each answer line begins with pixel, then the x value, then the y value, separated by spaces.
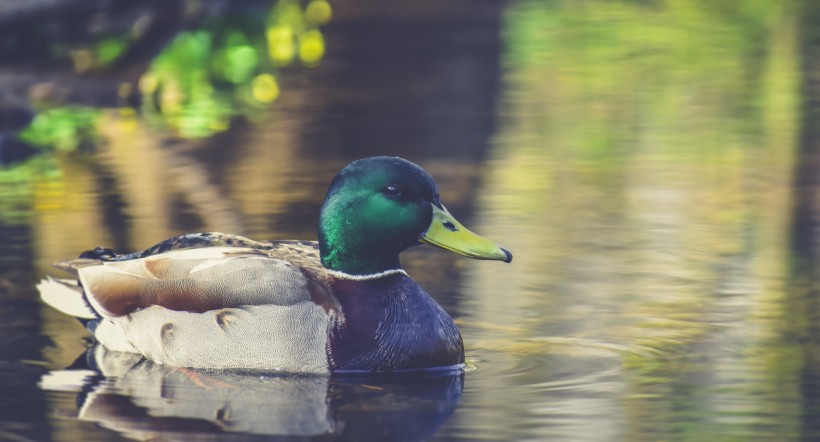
pixel 653 165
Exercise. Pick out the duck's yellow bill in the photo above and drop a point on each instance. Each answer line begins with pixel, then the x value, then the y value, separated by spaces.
pixel 446 232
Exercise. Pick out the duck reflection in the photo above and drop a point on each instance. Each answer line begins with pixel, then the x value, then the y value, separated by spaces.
pixel 144 400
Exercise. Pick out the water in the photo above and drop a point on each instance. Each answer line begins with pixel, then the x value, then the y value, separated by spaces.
pixel 652 166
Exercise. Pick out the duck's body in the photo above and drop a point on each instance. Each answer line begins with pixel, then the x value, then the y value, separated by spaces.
pixel 193 301
pixel 222 301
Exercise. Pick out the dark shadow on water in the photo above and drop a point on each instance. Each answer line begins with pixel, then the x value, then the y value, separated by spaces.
pixel 425 88
pixel 138 398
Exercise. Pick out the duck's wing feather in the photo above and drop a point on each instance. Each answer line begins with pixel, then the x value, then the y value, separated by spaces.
pixel 184 241
pixel 203 279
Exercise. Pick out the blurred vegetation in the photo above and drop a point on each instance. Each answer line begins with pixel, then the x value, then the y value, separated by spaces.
pixel 692 68
pixel 210 75
pixel 647 152
pixel 62 128
pixel 223 68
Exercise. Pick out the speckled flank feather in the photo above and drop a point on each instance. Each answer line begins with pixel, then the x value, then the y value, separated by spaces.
pixel 258 337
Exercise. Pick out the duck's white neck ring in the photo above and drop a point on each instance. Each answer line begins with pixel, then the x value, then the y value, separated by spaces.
pixel 342 275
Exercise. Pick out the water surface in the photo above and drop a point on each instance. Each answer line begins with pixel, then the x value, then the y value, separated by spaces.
pixel 652 166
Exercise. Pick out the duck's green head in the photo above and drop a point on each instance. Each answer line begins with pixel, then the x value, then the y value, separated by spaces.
pixel 377 207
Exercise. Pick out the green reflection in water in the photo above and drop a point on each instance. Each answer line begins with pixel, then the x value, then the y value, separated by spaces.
pixel 642 178
pixel 17 189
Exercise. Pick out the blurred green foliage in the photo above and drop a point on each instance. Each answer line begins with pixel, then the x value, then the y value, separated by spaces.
pixel 225 67
pixel 62 128
pixel 228 67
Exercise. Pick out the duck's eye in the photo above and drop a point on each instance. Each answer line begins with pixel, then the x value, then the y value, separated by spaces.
pixel 392 191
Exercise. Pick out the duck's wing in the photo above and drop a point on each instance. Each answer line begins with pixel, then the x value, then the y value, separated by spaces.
pixel 180 242
pixel 203 279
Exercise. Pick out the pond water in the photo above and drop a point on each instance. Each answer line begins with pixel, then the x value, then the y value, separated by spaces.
pixel 652 166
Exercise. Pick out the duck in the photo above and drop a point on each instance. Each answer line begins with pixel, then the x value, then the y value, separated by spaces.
pixel 342 304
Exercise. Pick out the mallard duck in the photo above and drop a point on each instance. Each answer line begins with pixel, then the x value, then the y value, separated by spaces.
pixel 344 304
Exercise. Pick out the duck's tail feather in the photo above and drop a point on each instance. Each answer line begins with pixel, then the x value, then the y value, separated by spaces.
pixel 66 296
pixel 73 266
